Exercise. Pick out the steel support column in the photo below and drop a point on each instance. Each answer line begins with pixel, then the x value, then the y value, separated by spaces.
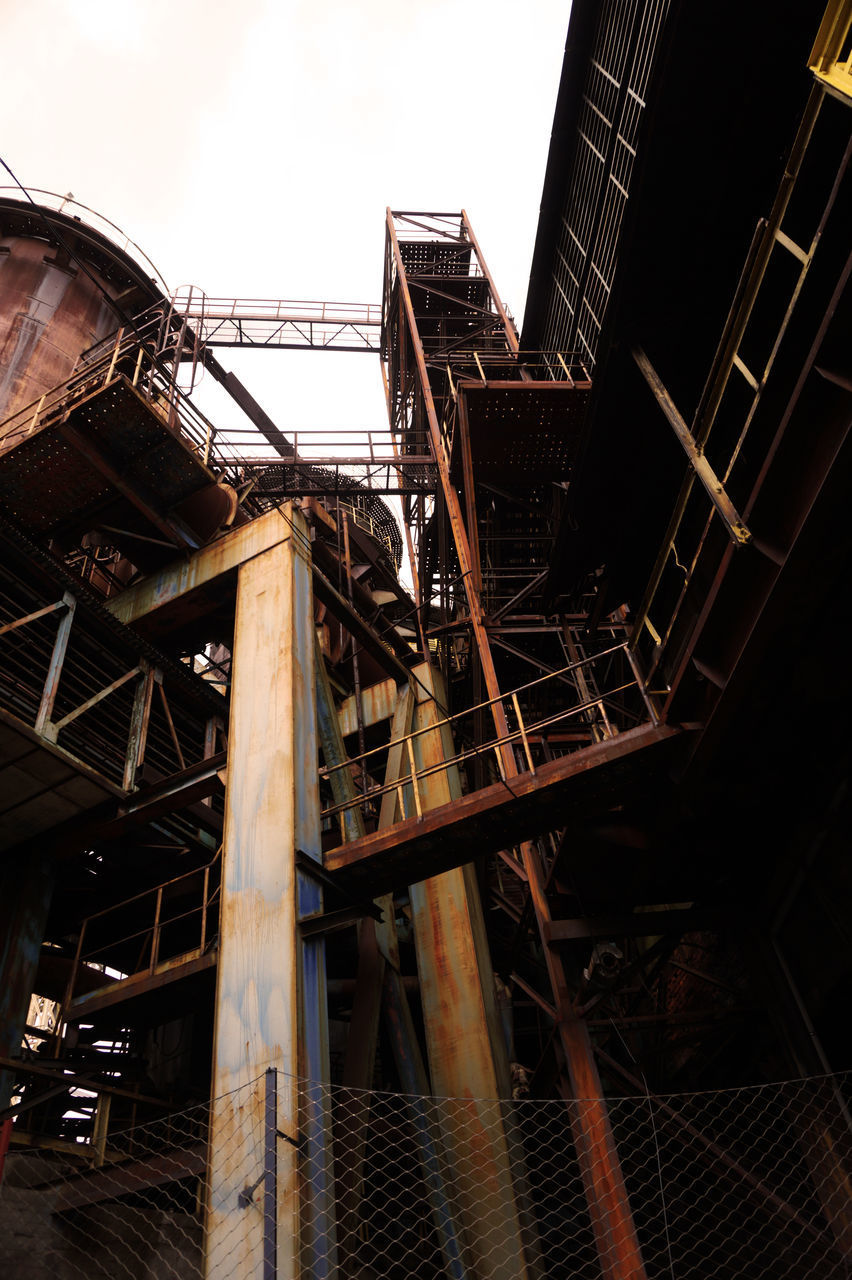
pixel 271 1001
pixel 466 1047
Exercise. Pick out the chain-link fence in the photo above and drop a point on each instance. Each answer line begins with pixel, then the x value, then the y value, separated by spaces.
pixel 312 1180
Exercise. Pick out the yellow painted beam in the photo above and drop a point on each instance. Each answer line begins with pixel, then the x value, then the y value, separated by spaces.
pixel 826 59
pixel 378 702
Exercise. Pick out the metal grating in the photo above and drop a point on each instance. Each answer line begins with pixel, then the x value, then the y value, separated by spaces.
pixel 613 104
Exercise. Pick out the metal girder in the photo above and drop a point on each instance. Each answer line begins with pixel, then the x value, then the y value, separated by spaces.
pixel 696 457
pixel 635 924
pixel 262 322
pixel 271 1000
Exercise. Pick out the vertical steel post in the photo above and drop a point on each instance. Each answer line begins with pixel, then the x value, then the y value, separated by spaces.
pixel 101 1128
pixel 467 1056
pixel 271 1007
pixel 138 735
pixel 270 1179
pixel 57 659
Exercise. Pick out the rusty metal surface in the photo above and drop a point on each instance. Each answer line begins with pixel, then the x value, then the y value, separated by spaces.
pixel 121 464
pixel 142 984
pixel 528 430
pixel 168 594
pixel 377 704
pixel 50 309
pixel 266 1015
pixel 500 815
pixel 466 1049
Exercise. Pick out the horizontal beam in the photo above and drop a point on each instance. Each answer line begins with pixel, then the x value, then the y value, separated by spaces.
pixel 140 984
pixel 167 595
pixel 73 1081
pixel 378 702
pixel 178 791
pixel 179 579
pixel 360 630
pixel 133 1175
pixel 633 924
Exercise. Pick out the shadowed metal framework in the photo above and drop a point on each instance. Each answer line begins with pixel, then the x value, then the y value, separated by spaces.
pixel 286 840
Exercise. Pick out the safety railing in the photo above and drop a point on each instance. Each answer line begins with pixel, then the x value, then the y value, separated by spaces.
pixel 82 213
pixel 501 364
pixel 524 731
pixel 320 447
pixel 161 926
pixel 112 710
pixel 214 309
pixel 350 326
pixel 131 355
pixel 831 56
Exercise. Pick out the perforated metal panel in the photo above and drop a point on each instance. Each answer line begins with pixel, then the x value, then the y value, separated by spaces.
pixel 614 99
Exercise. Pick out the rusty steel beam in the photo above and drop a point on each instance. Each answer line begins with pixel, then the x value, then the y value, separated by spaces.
pixel 635 924
pixel 164 598
pixel 467 1056
pixel 696 457
pixel 87 1080
pixel 160 593
pixel 271 1001
pixel 139 984
pixel 469 570
pixel 377 704
pixel 360 630
pixel 378 984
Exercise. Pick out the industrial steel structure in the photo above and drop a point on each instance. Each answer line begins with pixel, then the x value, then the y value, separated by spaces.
pixel 309 816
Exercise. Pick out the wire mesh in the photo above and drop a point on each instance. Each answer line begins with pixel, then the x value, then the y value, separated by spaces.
pixel 315 1180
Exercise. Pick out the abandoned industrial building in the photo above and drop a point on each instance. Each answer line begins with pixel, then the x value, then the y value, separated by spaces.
pixel 425 851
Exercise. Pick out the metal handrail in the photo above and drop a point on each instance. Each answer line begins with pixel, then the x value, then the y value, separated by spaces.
pixel 126 357
pixel 93 219
pixel 213 309
pixel 208 898
pixel 517 737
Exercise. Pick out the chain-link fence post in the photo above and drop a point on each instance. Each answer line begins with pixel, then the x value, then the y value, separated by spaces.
pixel 270 1172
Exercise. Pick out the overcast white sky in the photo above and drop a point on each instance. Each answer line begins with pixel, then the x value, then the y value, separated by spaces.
pixel 251 148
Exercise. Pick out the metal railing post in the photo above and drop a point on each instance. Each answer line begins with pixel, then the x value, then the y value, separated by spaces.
pixel 101 1127
pixel 204 893
pixel 155 935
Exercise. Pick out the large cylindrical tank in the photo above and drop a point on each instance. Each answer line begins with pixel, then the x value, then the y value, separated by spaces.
pixel 61 268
